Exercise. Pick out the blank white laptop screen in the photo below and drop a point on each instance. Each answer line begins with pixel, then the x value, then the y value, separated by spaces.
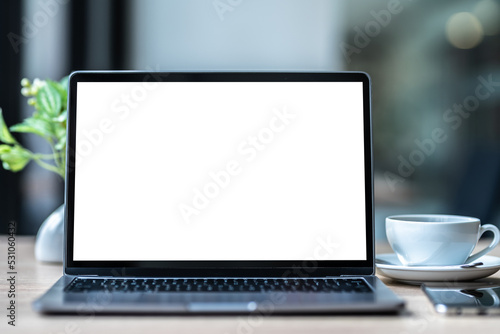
pixel 219 171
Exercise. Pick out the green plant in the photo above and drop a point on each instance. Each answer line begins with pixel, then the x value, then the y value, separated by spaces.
pixel 48 121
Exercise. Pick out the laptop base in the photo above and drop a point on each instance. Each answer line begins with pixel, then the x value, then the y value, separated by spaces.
pixel 58 301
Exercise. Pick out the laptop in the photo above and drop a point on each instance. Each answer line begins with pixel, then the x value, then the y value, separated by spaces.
pixel 230 192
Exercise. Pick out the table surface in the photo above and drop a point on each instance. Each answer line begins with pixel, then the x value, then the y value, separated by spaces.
pixel 34 278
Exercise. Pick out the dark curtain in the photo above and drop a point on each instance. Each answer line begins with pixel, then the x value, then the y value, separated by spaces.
pixel 10 64
pixel 97 41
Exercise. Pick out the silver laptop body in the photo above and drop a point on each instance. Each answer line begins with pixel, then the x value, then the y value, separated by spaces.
pixel 218 178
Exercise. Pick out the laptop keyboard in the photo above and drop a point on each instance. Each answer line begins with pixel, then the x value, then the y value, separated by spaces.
pixel 353 285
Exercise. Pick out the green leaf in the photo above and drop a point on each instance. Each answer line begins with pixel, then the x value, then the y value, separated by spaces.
pixel 16 159
pixel 59 130
pixel 5 149
pixel 63 117
pixel 48 100
pixel 64 82
pixel 56 85
pixel 5 135
pixel 37 126
pixel 61 144
pixel 61 90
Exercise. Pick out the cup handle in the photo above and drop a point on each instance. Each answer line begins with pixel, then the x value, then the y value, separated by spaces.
pixel 493 244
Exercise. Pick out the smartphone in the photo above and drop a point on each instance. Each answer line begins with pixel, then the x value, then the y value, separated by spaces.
pixel 464 299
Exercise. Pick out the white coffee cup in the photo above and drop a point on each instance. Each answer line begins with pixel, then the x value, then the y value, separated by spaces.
pixel 437 240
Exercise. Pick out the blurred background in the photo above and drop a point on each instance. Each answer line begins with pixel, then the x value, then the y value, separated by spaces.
pixel 435 67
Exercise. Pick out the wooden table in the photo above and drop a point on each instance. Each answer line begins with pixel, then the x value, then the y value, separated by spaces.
pixel 35 278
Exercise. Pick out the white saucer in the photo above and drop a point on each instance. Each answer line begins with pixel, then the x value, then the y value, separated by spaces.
pixel 390 266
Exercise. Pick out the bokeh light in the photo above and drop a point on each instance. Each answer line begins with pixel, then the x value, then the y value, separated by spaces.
pixel 464 30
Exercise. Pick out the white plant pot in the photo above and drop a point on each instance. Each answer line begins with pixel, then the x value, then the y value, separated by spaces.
pixel 50 237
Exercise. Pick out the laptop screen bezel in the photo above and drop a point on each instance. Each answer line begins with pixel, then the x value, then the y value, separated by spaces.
pixel 217 268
